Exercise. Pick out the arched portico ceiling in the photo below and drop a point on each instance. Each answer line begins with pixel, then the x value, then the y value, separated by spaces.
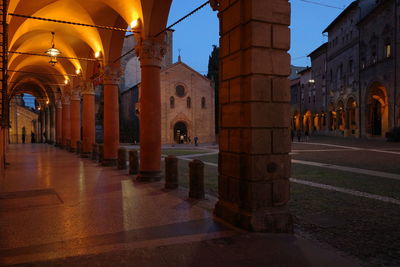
pixel 35 87
pixel 34 36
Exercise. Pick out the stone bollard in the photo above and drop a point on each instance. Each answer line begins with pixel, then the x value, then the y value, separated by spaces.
pixel 196 179
pixel 78 147
pixel 122 158
pixel 171 172
pixel 101 153
pixel 133 162
pixel 95 151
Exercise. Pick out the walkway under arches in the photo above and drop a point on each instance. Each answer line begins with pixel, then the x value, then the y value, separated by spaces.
pixel 254 91
pixel 89 215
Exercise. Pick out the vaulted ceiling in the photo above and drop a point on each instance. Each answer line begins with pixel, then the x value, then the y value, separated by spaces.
pixel 34 73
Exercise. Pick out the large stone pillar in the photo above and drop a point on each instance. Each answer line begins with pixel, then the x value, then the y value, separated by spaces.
pixel 52 124
pixel 59 123
pixel 75 118
pixel 66 120
pixel 111 115
pixel 150 52
pixel 88 114
pixel 254 161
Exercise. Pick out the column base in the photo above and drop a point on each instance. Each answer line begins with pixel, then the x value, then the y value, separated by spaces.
pixel 109 162
pixel 149 176
pixel 268 220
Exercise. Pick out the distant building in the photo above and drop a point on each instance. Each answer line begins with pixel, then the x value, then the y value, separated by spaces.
pixel 355 74
pixel 23 121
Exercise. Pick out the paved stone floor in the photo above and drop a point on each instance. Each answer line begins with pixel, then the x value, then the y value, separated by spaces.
pixel 58 209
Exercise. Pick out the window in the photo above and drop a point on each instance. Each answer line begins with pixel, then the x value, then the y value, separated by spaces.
pixel 351 66
pixel 388 50
pixel 172 102
pixel 188 102
pixel 203 102
pixel 180 90
pixel 373 54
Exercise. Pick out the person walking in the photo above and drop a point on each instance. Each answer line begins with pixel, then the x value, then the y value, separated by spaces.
pixel 298 135
pixel 33 137
pixel 292 134
pixel 306 135
pixel 23 135
pixel 196 140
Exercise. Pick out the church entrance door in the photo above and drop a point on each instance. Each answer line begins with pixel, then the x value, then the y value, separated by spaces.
pixel 180 132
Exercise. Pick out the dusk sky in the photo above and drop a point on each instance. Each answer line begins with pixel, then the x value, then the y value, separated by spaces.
pixel 196 35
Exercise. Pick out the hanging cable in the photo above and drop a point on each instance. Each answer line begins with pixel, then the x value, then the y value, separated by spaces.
pixel 73 23
pixel 168 28
pixel 321 4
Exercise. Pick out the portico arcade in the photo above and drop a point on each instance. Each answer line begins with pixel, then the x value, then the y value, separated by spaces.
pixel 254 165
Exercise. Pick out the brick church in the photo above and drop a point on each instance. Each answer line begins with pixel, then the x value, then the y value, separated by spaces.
pixel 187 100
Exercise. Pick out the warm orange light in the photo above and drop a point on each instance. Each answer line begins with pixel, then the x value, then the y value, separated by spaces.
pixel 97 54
pixel 47 102
pixel 66 81
pixel 134 23
pixel 38 108
pixel 78 71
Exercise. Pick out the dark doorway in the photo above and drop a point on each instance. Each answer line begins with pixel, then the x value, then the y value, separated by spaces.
pixel 180 132
pixel 376 118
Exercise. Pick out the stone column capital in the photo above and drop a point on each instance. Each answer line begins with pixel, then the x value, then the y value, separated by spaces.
pixel 151 51
pixel 87 88
pixel 59 103
pixel 66 100
pixel 111 75
pixel 75 94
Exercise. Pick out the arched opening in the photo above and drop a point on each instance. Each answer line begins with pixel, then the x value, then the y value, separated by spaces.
pixel 351 121
pixel 340 116
pixel 377 110
pixel 308 122
pixel 180 132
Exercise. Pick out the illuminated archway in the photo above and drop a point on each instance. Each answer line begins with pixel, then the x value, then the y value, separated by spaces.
pixel 377 112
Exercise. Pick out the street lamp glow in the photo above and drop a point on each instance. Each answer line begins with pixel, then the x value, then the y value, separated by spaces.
pixel 97 54
pixel 66 81
pixel 78 71
pixel 134 23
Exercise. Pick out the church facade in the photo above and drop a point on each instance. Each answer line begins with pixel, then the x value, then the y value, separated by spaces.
pixel 187 100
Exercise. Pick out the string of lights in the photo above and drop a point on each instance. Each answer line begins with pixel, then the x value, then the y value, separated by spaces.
pixel 43 73
pixel 43 55
pixel 73 23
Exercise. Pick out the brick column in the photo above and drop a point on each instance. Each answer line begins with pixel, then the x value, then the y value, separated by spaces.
pixel 66 122
pixel 52 124
pixel 59 123
pixel 254 161
pixel 150 52
pixel 75 118
pixel 42 124
pixel 47 112
pixel 88 120
pixel 111 115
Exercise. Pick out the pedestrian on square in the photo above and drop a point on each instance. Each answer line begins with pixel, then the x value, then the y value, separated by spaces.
pixel 306 135
pixel 298 135
pixel 196 140
pixel 292 134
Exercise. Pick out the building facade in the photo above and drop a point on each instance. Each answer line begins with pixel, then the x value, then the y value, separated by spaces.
pixel 354 74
